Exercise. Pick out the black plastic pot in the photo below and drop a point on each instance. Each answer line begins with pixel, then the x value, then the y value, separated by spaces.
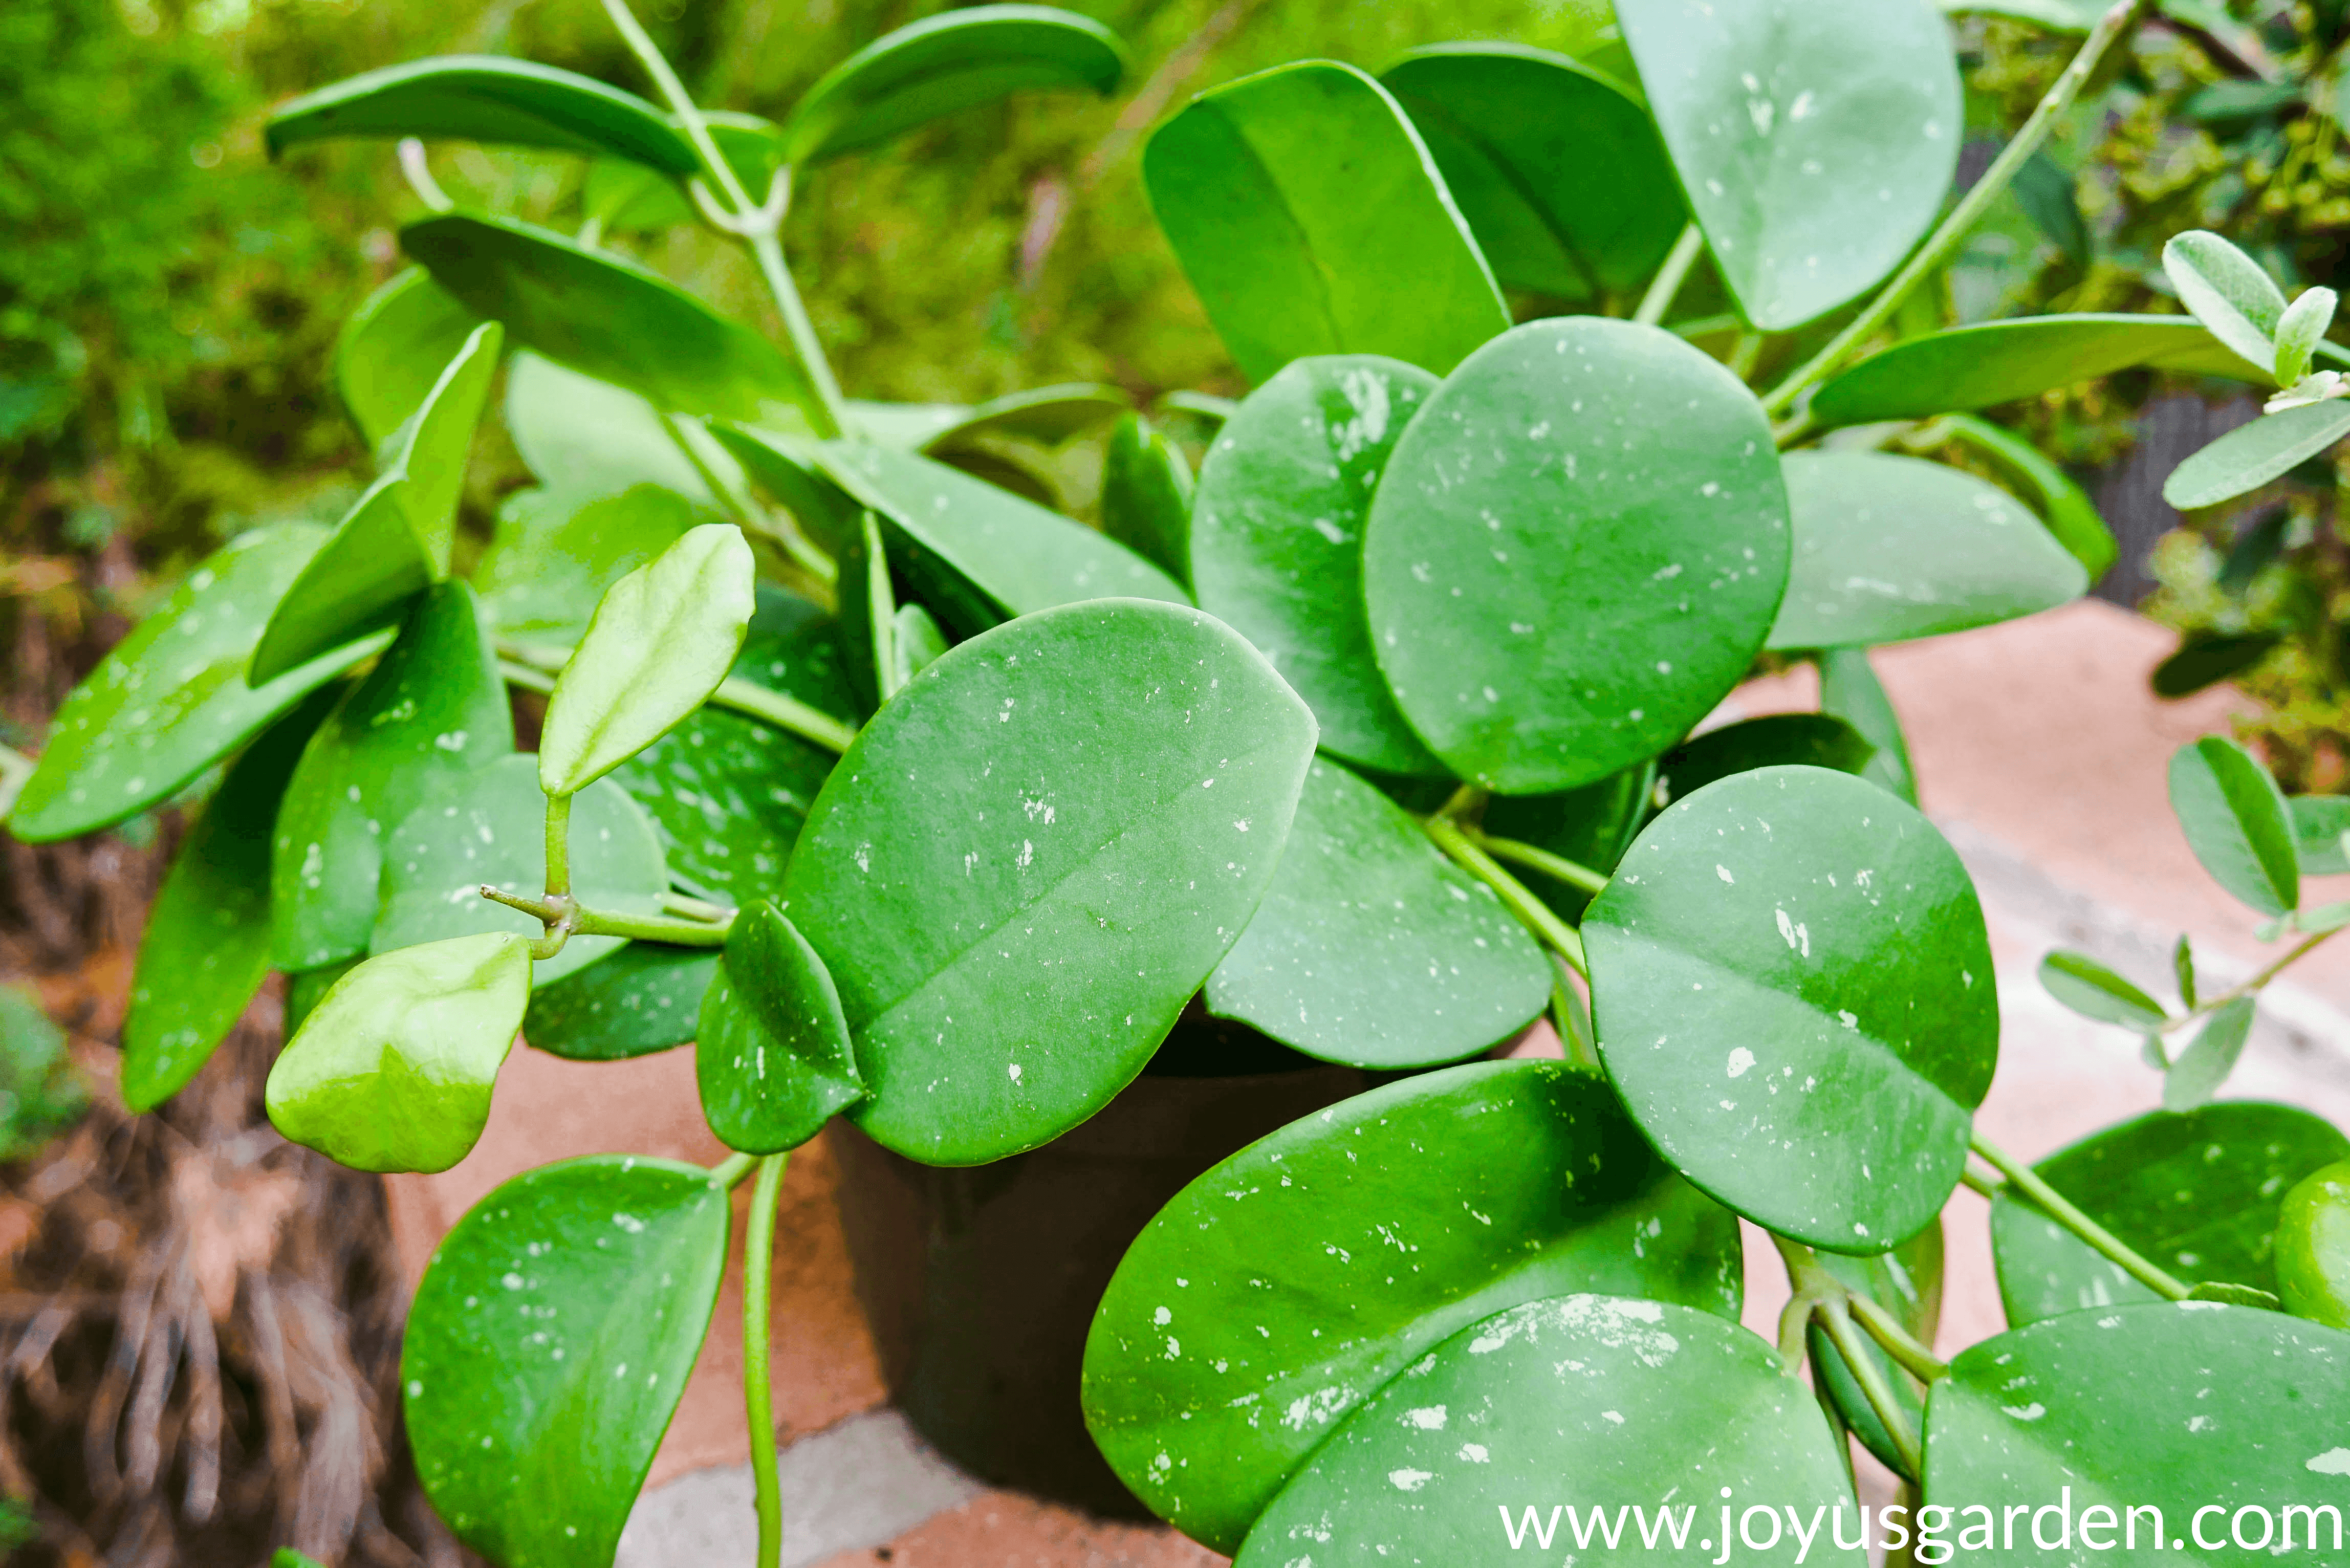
pixel 981 1283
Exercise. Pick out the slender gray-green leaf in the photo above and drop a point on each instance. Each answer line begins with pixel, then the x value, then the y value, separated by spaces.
pixel 394 349
pixel 2228 292
pixel 646 997
pixel 1276 546
pixel 2208 1058
pixel 2236 822
pixel 2093 990
pixel 1575 552
pixel 1311 219
pixel 2248 457
pixel 490 99
pixel 659 644
pixel 2299 332
pixel 2321 829
pixel 1145 501
pixel 773 1053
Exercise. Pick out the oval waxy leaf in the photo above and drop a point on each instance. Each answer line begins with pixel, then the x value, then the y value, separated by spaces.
pixel 2093 990
pixel 2228 292
pixel 1311 219
pixel 553 556
pixel 434 709
pixel 393 351
pixel 1286 1286
pixel 488 98
pixel 773 1053
pixel 1775 739
pixel 1889 548
pixel 2250 456
pixel 2196 1194
pixel 206 947
pixel 646 997
pixel 1145 499
pixel 1276 546
pixel 2175 1406
pixel 661 642
pixel 2313 1247
pixel 1574 554
pixel 490 826
pixel 548 1346
pixel 1850 690
pixel 2236 822
pixel 2070 514
pixel 942 63
pixel 1573 1404
pixel 1815 139
pixel 978 556
pixel 171 698
pixel 1030 859
pixel 2321 828
pixel 1557 167
pixel 1793 991
pixel 1371 947
pixel 583 438
pixel 392 1069
pixel 609 319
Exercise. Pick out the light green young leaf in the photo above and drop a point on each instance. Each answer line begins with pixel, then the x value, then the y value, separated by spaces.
pixel 773 1053
pixel 2226 292
pixel 1146 500
pixel 2248 457
pixel 2205 1062
pixel 660 643
pixel 2093 990
pixel 394 349
pixel 393 1070
pixel 489 98
pixel 2313 1247
pixel 2321 829
pixel 2300 331
pixel 2236 822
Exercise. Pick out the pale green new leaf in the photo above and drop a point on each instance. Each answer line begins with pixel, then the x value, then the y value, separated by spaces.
pixel 2228 292
pixel 2248 457
pixel 2300 332
pixel 2236 822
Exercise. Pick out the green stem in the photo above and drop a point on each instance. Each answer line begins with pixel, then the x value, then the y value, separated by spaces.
pixel 1976 1181
pixel 1834 1317
pixel 558 846
pixel 1573 1043
pixel 567 915
pixel 1670 277
pixel 768 249
pixel 1916 1359
pixel 2259 981
pixel 1538 916
pixel 729 1171
pixel 1938 248
pixel 2028 1181
pixel 1535 857
pixel 759 1406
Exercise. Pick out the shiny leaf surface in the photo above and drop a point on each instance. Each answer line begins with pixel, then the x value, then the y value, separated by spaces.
pixel 773 1053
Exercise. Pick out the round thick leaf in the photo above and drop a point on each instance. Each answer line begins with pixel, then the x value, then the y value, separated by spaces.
pixel 1888 549
pixel 1558 169
pixel 2250 456
pixel 392 1069
pixel 944 63
pixel 1276 544
pixel 2197 1194
pixel 2003 361
pixel 1574 553
pixel 490 826
pixel 1282 1289
pixel 977 555
pixel 609 319
pixel 547 1348
pixel 2313 1247
pixel 1815 139
pixel 661 640
pixel 1371 947
pixel 393 349
pixel 2093 990
pixel 434 709
pixel 1033 855
pixel 646 997
pixel 1311 219
pixel 1907 1282
pixel 170 700
pixel 583 438
pixel 1775 739
pixel 1793 991
pixel 2321 828
pixel 489 98
pixel 773 1055
pixel 553 556
pixel 2178 1407
pixel 206 947
pixel 2236 822
pixel 1145 499
pixel 1566 1407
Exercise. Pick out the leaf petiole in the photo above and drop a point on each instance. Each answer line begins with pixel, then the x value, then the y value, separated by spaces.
pixel 1534 857
pixel 1539 918
pixel 1670 277
pixel 2058 1208
pixel 759 1278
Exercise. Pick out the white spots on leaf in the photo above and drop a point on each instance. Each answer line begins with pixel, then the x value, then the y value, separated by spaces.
pixel 1797 937
pixel 1427 1417
pixel 1409 1480
pixel 2333 1462
pixel 1740 1060
pixel 1723 872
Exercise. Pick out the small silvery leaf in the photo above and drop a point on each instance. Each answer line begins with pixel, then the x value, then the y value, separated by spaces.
pixel 661 640
pixel 2314 388
pixel 2228 292
pixel 2205 1065
pixel 2300 332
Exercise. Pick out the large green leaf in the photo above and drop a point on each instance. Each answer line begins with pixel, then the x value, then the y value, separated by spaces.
pixel 489 827
pixel 2236 822
pixel 1907 1282
pixel 1371 947
pixel 547 1348
pixel 1566 1407
pixel 945 63
pixel 1033 855
pixel 1146 496
pixel 392 1069
pixel 1574 553
pixel 1276 546
pixel 433 710
pixel 394 349
pixel 2320 829
pixel 2187 1409
pixel 170 700
pixel 1280 1290
pixel 2198 1194
pixel 1889 548
pixel 1815 139
pixel 1775 739
pixel 773 1053
pixel 646 997
pixel 2067 510
pixel 976 554
pixel 489 98
pixel 1793 991
pixel 1994 362
pixel 2250 456
pixel 583 438
pixel 1557 167
pixel 1311 219
pixel 553 556
pixel 2313 1247
pixel 609 319
pixel 206 947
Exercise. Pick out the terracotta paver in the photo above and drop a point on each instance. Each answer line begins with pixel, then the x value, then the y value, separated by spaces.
pixel 1004 1529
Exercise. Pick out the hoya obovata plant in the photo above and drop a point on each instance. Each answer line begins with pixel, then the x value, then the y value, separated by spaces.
pixel 906 799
